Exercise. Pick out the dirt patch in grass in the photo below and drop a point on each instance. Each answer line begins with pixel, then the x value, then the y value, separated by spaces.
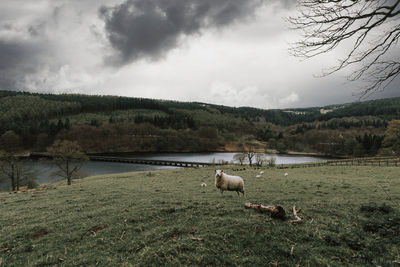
pixel 38 233
pixel 381 219
pixel 375 208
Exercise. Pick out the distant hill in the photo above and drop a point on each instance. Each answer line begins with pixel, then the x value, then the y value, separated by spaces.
pixel 384 108
pixel 140 124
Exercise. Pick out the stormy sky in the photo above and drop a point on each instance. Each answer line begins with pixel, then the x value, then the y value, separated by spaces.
pixel 229 52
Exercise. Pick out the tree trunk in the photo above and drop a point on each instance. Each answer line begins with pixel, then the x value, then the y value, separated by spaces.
pixel 13 185
pixel 17 178
pixel 68 174
pixel 250 158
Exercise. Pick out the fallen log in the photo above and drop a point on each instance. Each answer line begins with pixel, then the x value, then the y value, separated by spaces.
pixel 276 212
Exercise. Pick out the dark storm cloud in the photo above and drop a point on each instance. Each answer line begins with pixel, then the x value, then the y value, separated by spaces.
pixel 148 29
pixel 18 58
pixel 36 38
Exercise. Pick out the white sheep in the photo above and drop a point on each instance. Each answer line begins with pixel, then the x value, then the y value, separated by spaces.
pixel 224 181
pixel 286 174
pixel 258 176
pixel 203 184
pixel 261 172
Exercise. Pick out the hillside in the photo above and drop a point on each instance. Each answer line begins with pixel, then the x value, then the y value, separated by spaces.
pixel 117 124
pixel 350 217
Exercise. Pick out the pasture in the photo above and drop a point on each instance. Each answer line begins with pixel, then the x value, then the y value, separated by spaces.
pixel 351 216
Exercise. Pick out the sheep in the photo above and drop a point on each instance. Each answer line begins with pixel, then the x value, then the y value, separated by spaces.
pixel 261 172
pixel 258 176
pixel 286 174
pixel 203 184
pixel 224 181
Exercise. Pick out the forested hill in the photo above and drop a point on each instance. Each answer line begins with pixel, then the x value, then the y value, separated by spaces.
pixel 77 103
pixel 139 124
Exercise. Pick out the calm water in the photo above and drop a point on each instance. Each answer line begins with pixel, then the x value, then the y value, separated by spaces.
pixel 45 169
pixel 209 157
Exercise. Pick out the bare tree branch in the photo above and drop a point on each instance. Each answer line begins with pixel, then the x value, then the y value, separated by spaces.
pixel 372 27
pixel 68 157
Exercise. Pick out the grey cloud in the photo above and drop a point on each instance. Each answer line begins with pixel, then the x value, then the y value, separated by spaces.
pixel 18 58
pixel 148 29
pixel 36 39
pixel 288 4
pixel 36 43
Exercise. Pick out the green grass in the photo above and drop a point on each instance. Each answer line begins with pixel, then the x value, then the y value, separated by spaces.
pixel 350 217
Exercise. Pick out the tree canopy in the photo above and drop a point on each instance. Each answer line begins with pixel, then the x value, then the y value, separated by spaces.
pixel 392 136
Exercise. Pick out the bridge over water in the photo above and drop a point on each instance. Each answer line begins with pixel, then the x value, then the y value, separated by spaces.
pixel 136 160
pixel 151 161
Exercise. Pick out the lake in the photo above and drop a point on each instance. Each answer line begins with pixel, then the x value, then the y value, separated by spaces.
pixel 44 169
pixel 225 156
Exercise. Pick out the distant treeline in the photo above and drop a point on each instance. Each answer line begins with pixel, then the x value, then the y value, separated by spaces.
pixel 383 108
pixel 140 124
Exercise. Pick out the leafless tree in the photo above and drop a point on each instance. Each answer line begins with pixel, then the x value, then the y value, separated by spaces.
pixel 271 161
pixel 250 153
pixel 9 169
pixel 13 169
pixel 372 27
pixel 260 159
pixel 69 157
pixel 239 157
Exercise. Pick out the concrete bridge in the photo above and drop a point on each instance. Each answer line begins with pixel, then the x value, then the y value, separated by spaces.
pixel 137 160
pixel 150 161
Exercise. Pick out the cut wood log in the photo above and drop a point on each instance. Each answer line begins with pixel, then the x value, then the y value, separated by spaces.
pixel 276 212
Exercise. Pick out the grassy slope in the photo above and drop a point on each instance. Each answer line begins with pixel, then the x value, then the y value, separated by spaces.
pixel 143 219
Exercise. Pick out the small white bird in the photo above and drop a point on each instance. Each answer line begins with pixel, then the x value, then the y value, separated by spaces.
pixel 286 174
pixel 203 184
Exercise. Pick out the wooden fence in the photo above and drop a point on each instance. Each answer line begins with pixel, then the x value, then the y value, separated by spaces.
pixel 373 161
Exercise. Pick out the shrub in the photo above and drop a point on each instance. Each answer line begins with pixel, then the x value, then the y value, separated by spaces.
pixel 260 159
pixel 271 161
pixel 31 183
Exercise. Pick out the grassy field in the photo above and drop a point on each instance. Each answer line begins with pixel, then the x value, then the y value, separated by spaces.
pixel 351 216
